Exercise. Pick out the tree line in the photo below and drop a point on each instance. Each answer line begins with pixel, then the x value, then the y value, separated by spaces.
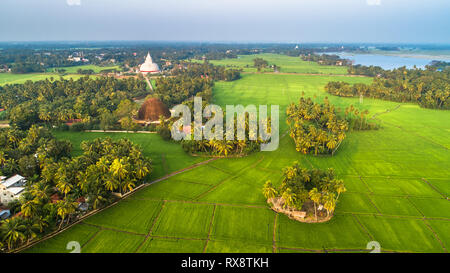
pixel 206 70
pixel 428 88
pixel 94 101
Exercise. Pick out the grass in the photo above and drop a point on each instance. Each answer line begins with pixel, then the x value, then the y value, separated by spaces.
pixel 58 244
pixel 108 241
pixel 164 245
pixel 287 64
pixel 95 68
pixel 401 170
pixel 135 216
pixel 167 157
pixel 9 78
pixel 401 234
pixel 230 224
pixel 341 232
pixel 184 220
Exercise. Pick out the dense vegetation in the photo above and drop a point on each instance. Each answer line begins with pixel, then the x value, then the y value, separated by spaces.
pixel 225 147
pixel 58 185
pixel 326 59
pixel 301 186
pixel 207 70
pixel 318 128
pixel 20 151
pixel 430 89
pixel 93 100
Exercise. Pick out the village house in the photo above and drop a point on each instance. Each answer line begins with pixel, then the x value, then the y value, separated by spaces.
pixel 11 188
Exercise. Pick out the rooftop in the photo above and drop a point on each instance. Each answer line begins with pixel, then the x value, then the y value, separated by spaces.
pixel 16 190
pixel 12 180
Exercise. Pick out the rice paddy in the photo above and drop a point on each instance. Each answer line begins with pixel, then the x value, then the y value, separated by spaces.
pixel 397 180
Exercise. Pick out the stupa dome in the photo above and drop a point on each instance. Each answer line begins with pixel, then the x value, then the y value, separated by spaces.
pixel 149 66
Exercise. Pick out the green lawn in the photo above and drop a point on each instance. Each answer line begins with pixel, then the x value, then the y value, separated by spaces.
pixel 393 176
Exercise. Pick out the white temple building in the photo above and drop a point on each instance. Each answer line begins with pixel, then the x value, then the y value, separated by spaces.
pixel 149 66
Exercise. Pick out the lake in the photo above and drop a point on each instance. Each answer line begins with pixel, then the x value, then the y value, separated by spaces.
pixel 389 61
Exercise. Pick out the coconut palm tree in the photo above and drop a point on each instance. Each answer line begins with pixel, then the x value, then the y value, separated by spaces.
pixel 142 169
pixel 316 197
pixel 64 186
pixel 332 143
pixel 12 231
pixel 29 208
pixel 269 191
pixel 289 198
pixel 329 202
pixel 339 187
pixel 66 207
pixel 40 192
pixel 40 222
pixel 223 147
pixel 30 230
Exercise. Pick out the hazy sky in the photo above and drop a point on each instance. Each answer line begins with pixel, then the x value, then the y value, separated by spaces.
pixel 412 21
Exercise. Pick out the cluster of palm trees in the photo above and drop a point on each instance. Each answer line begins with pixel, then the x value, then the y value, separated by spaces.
pixel 20 150
pixel 220 147
pixel 207 70
pixel 250 143
pixel 315 128
pixel 429 88
pixel 300 186
pixel 358 119
pixel 54 195
pixel 55 102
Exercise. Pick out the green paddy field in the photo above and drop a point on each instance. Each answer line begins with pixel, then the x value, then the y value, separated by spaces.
pixel 398 181
pixel 287 64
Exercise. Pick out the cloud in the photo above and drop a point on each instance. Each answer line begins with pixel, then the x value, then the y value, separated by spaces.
pixel 74 2
pixel 373 2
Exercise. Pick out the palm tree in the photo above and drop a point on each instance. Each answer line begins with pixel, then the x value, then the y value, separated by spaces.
pixel 64 186
pixel 97 199
pixel 241 144
pixel 142 169
pixel 12 231
pixel 66 207
pixel 128 185
pixel 332 143
pixel 316 197
pixel 29 208
pixel 329 203
pixel 30 230
pixel 40 191
pixel 223 147
pixel 339 187
pixel 2 158
pixel 103 164
pixel 119 169
pixel 269 191
pixel 40 222
pixel 289 198
pixel 111 184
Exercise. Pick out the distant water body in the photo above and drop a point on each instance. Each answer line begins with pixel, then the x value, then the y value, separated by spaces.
pixel 389 61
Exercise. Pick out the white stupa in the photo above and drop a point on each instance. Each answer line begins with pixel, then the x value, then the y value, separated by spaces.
pixel 149 66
